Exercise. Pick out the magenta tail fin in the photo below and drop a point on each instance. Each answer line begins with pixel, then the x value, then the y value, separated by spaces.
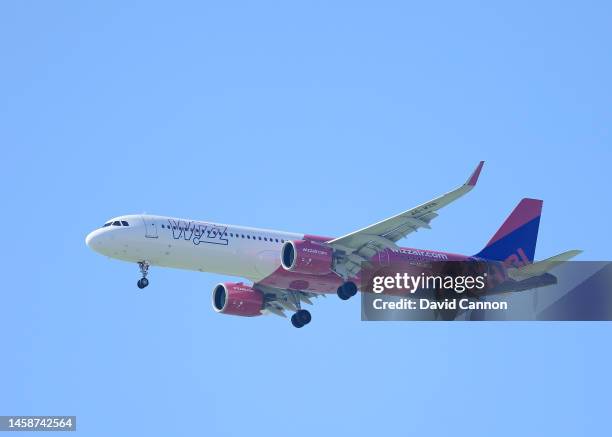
pixel 518 235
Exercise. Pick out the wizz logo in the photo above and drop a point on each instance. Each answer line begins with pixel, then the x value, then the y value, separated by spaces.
pixel 518 259
pixel 197 232
pixel 498 271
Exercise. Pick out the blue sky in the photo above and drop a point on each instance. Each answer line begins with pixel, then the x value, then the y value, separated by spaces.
pixel 308 117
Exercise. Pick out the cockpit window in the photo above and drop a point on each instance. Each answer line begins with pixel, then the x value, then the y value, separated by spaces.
pixel 116 223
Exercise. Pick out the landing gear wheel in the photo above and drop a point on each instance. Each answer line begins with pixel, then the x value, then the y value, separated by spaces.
pixel 301 318
pixel 295 321
pixel 347 290
pixel 144 270
pixel 304 316
pixel 350 288
pixel 341 294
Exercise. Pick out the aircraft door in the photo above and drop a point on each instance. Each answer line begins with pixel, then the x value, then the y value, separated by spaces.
pixel 150 227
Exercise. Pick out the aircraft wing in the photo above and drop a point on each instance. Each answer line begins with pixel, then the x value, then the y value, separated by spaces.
pixel 361 245
pixel 277 300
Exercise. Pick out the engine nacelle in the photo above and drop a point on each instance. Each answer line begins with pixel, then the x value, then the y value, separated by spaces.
pixel 237 299
pixel 306 257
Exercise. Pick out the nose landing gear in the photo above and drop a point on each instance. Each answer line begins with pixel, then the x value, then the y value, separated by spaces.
pixel 144 269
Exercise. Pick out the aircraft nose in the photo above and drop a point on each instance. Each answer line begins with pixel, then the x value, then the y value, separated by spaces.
pixel 93 239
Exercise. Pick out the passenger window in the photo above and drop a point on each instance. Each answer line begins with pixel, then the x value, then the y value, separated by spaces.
pixel 249 237
pixel 265 239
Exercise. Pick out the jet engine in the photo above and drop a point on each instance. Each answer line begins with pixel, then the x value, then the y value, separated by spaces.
pixel 306 257
pixel 237 299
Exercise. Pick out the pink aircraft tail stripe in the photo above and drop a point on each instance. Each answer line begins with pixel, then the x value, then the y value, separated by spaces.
pixel 526 211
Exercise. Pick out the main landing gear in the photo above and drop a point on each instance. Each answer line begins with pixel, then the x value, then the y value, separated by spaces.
pixel 144 269
pixel 347 290
pixel 301 317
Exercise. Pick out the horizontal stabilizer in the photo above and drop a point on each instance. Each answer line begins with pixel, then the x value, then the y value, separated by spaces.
pixel 541 267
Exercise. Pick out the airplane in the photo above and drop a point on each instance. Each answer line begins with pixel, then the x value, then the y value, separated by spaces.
pixel 290 269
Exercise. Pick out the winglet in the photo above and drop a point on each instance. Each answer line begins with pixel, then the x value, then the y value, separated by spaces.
pixel 474 178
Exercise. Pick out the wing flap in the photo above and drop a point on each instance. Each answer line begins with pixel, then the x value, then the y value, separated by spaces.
pixel 278 300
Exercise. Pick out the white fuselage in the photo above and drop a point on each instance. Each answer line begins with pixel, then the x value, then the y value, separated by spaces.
pixel 190 244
